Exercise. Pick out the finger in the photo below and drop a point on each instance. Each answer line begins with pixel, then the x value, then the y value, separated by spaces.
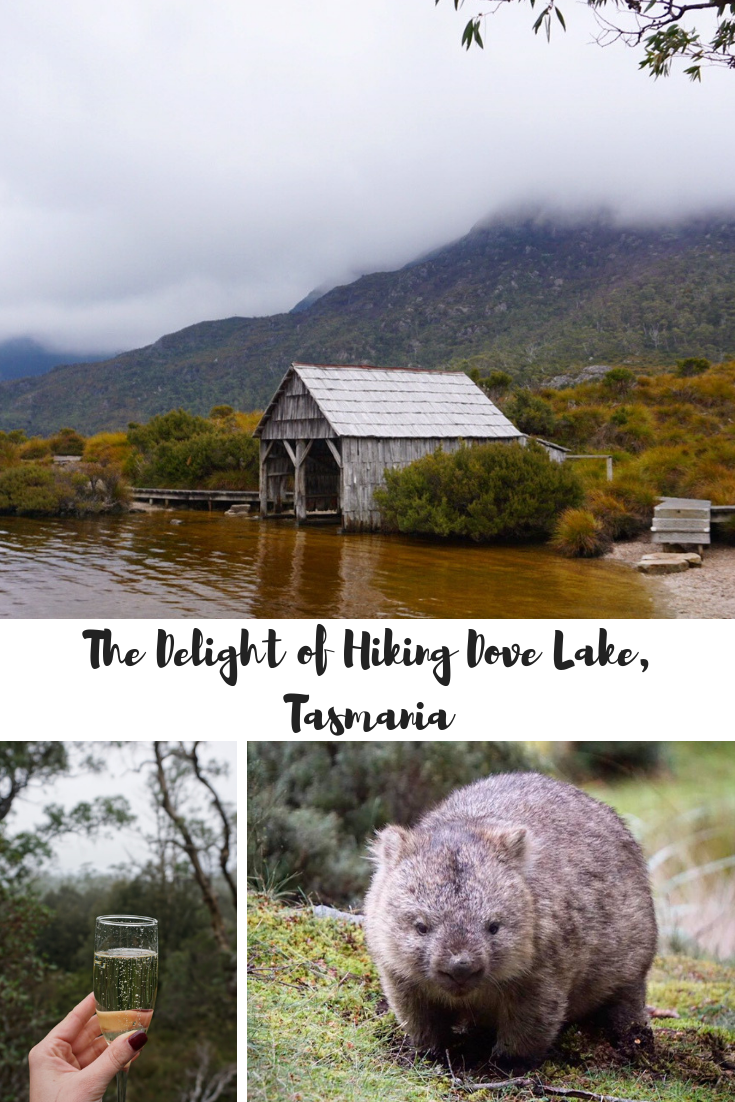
pixel 87 1034
pixel 69 1027
pixel 99 1073
pixel 94 1049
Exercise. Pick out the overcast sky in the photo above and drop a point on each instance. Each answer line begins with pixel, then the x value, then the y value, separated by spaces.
pixel 121 777
pixel 169 161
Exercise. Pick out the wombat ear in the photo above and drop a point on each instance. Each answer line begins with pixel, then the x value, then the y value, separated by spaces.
pixel 515 845
pixel 389 845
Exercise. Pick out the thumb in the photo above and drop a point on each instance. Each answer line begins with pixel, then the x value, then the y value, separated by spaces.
pixel 98 1074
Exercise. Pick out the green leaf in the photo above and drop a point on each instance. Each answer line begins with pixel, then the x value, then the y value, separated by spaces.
pixel 538 22
pixel 560 17
pixel 478 37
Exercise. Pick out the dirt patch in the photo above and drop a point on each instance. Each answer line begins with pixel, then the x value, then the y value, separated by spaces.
pixel 707 593
pixel 693 1057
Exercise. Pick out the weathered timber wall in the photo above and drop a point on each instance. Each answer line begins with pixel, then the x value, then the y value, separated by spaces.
pixel 364 460
pixel 296 416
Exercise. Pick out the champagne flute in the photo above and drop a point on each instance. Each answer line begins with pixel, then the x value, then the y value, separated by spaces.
pixel 125 978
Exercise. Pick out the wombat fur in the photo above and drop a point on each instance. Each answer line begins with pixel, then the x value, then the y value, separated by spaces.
pixel 517 905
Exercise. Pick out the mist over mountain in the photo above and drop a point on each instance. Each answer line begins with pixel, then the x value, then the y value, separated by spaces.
pixel 530 295
pixel 22 356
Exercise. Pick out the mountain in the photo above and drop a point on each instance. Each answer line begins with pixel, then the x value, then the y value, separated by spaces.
pixel 22 356
pixel 532 296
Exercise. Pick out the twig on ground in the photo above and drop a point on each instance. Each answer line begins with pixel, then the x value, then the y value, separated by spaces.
pixel 659 1012
pixel 538 1088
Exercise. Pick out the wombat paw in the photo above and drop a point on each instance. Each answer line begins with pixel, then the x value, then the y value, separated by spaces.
pixel 512 1062
pixel 636 1042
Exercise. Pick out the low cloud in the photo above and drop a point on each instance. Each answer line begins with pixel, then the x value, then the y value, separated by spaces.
pixel 164 163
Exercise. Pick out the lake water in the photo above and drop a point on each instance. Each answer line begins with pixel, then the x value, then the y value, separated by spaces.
pixel 209 565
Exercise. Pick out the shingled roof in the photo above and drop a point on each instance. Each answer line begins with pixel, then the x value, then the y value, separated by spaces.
pixel 400 402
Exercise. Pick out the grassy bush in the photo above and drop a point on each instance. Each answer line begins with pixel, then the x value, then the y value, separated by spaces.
pixel 530 413
pixel 107 449
pixel 676 439
pixel 35 448
pixel 66 442
pixel 625 508
pixel 34 489
pixel 579 534
pixel 692 365
pixel 620 380
pixel 492 491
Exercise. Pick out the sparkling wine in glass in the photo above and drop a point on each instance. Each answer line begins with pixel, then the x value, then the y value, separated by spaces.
pixel 125 978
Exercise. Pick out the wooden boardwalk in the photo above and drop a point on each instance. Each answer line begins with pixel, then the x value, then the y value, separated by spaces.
pixel 220 499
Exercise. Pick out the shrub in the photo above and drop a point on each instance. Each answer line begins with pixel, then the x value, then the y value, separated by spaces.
pixel 107 449
pixel 530 413
pixel 617 519
pixel 66 442
pixel 167 427
pixel 35 448
pixel 619 380
pixel 206 455
pixel 579 534
pixel 496 383
pixel 612 760
pixel 629 428
pixel 34 489
pixel 8 451
pixel 692 365
pixel 490 491
pixel 177 449
pixel 576 427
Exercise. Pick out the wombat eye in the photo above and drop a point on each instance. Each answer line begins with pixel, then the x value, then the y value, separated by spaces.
pixel 421 927
pixel 493 927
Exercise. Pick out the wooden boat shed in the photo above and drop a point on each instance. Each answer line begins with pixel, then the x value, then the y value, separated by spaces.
pixel 334 430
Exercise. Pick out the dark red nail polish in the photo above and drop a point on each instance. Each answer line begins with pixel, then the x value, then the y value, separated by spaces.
pixel 138 1039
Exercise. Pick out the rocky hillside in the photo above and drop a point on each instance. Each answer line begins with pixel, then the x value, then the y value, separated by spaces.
pixel 532 297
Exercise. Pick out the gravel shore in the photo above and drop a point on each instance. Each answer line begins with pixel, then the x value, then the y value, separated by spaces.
pixel 701 593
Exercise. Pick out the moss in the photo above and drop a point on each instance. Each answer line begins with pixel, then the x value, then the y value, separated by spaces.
pixel 319 1028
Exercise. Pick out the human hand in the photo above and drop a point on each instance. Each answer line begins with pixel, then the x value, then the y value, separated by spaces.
pixel 74 1063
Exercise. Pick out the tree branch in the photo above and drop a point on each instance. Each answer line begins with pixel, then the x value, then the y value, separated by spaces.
pixel 205 886
pixel 224 852
pixel 540 1089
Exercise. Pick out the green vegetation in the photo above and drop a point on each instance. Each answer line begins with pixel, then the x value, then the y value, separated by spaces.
pixel 318 1028
pixel 671 435
pixel 33 489
pixel 663 33
pixel 490 491
pixel 178 449
pixel 526 298
pixel 579 533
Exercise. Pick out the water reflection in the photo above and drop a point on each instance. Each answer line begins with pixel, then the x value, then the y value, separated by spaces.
pixel 200 564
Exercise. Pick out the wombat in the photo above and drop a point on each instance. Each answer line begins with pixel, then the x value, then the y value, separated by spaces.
pixel 516 906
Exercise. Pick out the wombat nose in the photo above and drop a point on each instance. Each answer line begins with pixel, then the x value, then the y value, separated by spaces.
pixel 462 968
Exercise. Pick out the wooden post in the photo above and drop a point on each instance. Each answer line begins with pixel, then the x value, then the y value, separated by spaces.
pixel 608 468
pixel 299 483
pixel 265 450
